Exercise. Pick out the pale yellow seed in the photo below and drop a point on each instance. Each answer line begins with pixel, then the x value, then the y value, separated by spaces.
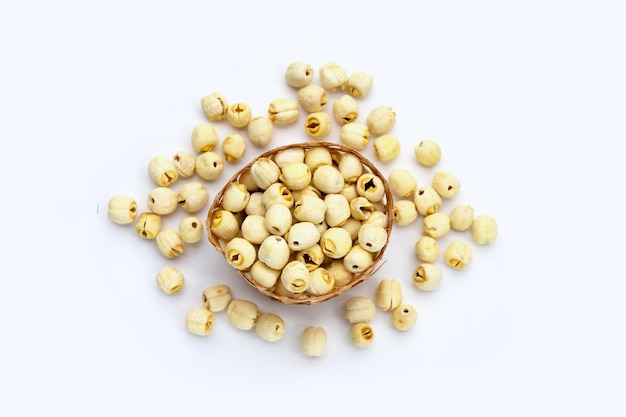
pixel 428 153
pixel 461 217
pixel 328 179
pixel 360 309
pixel 362 335
pixel 404 317
pixel 264 172
pixel 190 229
pixel 162 171
pixel 427 249
pixel 233 147
pixel 484 229
pixel 239 114
pixel 283 111
pixel 404 212
pixel 354 135
pixel 360 207
pixel 402 183
pixel 313 341
pixel 193 196
pixel 312 257
pixel 386 147
pixel 242 314
pixel 358 259
pixel 388 294
pixel 235 197
pixel 295 277
pixel 255 204
pixel 185 163
pixel 253 229
pixel 217 297
pixel 204 138
pixel 288 155
pixel 260 131
pixel 372 238
pixel 302 235
pixel 224 225
pixel 371 187
pixel 310 208
pixel 278 219
pixel 199 321
pixel 345 109
pixel 380 119
pixel 148 225
pixel 162 200
pixel 299 74
pixel 214 106
pixel 436 225
pixel 295 175
pixel 270 327
pixel 446 184
pixel 209 165
pixel 427 277
pixel 170 280
pixel 350 167
pixel 263 275
pixel 360 84
pixel 274 252
pixel 277 193
pixel 458 254
pixel 339 272
pixel 317 156
pixel 336 242
pixel 337 209
pixel 312 98
pixel 122 209
pixel 321 282
pixel 170 243
pixel 333 76
pixel 317 125
pixel 240 253
pixel 427 200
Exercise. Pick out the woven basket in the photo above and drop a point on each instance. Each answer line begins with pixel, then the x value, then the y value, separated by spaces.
pixel 306 298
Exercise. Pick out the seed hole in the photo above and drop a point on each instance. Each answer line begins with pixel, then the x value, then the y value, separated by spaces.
pixel 296 243
pixel 420 192
pixel 214 164
pixel 406 311
pixel 355 266
pixel 194 224
pixel 449 187
pixel 369 184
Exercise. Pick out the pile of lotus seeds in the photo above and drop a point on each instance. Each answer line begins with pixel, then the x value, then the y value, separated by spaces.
pixel 206 160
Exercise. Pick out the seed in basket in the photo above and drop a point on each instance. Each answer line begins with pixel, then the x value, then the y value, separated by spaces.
pixel 264 172
pixel 224 225
pixel 361 208
pixel 310 208
pixel 336 242
pixel 378 218
pixel 321 282
pixel 350 167
pixel 358 259
pixel 253 229
pixel 277 193
pixel 263 275
pixel 372 238
pixel 371 187
pixel 274 252
pixel 337 209
pixel 339 272
pixel 349 191
pixel 317 156
pixel 278 219
pixel 255 204
pixel 302 235
pixel 328 179
pixel 295 277
pixel 353 226
pixel 312 257
pixel 295 175
pixel 240 253
pixel 287 155
pixel 235 197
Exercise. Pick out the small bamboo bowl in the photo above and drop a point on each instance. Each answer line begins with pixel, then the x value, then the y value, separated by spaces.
pixel 306 298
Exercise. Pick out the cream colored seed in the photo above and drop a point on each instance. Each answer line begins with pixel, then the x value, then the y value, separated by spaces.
pixel 253 229
pixel 239 114
pixel 122 209
pixel 380 119
pixel 299 74
pixel 235 197
pixel 170 243
pixel 170 280
pixel 386 148
pixel 372 238
pixel 404 212
pixel 217 297
pixel 224 225
pixel 199 321
pixel 302 235
pixel 336 242
pixel 350 167
pixel 295 277
pixel 162 200
pixel 310 208
pixel 428 153
pixel 270 327
pixel 358 259
pixel 246 179
pixel 255 204
pixel 377 218
pixel 277 193
pixel 321 282
pixel 404 317
pixel 317 157
pixel 458 254
pixel 333 76
pixel 190 229
pixel 312 98
pixel 328 179
pixel 240 253
pixel 446 184
pixel 204 138
pixel 355 135
pixel 345 109
pixel 427 276
pixel 312 257
pixel 436 225
pixel 260 131
pixel 214 106
pixel 283 111
pixel 371 187
pixel 362 335
pixel 484 229
pixel 288 155
pixel 209 165
pixel 427 200
pixel 353 226
pixel 263 275
pixel 162 171
pixel 148 225
pixel 427 249
pixel 309 190
pixel 313 341
pixel 402 183
pixel 461 217
pixel 317 125
pixel 388 294
pixel 337 209
pixel 339 272
pixel 192 197
pixel 360 84
pixel 274 252
pixel 233 147
pixel 264 172
pixel 185 163
pixel 360 208
pixel 242 314
pixel 295 175
pixel 349 192
pixel 278 219
pixel 360 309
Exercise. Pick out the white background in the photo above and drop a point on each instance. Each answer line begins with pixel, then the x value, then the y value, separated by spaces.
pixel 527 100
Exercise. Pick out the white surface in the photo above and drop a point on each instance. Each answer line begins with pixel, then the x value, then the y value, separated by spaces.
pixel 527 102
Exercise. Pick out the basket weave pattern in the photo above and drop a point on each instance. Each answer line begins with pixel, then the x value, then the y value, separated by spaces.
pixel 307 298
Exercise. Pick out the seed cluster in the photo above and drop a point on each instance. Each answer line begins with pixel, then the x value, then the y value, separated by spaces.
pixel 307 222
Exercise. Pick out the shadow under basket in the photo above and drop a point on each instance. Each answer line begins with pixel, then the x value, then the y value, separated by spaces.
pixel 277 292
